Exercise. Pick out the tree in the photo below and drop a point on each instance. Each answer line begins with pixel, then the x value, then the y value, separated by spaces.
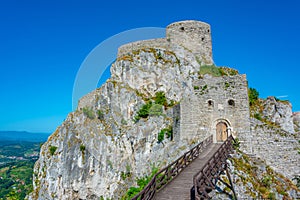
pixel 253 95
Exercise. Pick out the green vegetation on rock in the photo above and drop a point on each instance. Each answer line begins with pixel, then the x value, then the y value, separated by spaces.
pixel 166 131
pixel 88 112
pixel 215 71
pixel 141 182
pixel 52 150
pixel 253 96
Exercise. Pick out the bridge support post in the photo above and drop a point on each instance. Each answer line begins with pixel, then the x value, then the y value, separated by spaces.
pixel 193 194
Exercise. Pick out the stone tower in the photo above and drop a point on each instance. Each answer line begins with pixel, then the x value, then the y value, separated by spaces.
pixel 194 36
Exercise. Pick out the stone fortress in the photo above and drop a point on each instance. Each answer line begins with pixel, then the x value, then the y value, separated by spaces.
pixel 101 150
pixel 219 104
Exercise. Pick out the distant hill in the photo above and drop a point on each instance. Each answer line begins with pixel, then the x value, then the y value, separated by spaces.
pixel 23 136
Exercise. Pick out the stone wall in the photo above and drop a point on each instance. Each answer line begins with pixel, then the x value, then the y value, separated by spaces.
pixel 194 36
pixel 159 43
pixel 276 146
pixel 216 99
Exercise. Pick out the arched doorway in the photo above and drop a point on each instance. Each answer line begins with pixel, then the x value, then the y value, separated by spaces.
pixel 221 132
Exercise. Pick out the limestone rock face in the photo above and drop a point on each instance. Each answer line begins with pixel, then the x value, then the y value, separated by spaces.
pixel 100 150
pixel 296 120
pixel 279 113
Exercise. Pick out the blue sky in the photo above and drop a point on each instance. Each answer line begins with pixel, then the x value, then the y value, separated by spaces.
pixel 43 43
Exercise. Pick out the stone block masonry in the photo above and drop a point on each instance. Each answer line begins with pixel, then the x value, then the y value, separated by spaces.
pixel 216 99
pixel 194 36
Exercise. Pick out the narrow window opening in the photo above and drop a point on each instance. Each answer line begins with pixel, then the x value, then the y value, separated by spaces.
pixel 231 102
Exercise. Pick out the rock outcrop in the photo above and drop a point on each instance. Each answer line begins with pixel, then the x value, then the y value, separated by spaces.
pixel 104 146
pixel 132 124
pixel 279 112
pixel 296 121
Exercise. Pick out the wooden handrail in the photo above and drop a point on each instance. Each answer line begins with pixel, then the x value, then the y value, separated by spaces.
pixel 205 180
pixel 164 176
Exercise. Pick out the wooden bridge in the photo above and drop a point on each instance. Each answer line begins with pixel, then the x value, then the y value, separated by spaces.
pixel 193 175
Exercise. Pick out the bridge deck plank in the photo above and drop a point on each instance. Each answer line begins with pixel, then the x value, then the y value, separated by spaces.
pixel 179 188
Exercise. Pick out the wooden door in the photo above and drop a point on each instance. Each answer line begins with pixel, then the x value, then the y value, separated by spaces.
pixel 221 132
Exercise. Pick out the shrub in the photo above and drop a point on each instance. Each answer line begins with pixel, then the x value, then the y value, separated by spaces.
pixel 236 143
pixel 166 131
pixel 266 181
pixel 88 112
pixel 196 87
pixel 142 182
pixel 100 115
pixel 143 112
pixel 257 116
pixel 52 150
pixel 82 148
pixel 160 136
pixel 253 95
pixel 161 99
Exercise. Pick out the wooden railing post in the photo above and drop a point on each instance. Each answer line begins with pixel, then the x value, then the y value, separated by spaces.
pixel 203 180
pixel 164 176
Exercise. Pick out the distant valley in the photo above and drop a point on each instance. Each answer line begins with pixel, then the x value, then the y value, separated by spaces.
pixel 18 153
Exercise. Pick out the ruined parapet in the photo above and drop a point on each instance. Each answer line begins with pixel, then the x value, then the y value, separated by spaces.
pixel 143 44
pixel 193 36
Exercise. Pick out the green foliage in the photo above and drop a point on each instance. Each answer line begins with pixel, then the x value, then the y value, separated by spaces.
pixel 144 111
pixel 253 96
pixel 100 114
pixel 161 99
pixel 166 131
pixel 211 70
pixel 16 175
pixel 141 182
pixel 196 87
pixel 160 136
pixel 127 173
pixel 52 150
pixel 236 143
pixel 82 148
pixel 156 110
pixel 266 181
pixel 227 85
pixel 88 112
pixel 258 116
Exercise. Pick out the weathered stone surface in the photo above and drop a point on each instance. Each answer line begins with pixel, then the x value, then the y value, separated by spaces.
pixel 277 147
pixel 253 179
pixel 101 149
pixel 279 113
pixel 296 121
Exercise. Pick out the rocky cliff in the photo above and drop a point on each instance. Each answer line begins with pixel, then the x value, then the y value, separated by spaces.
pixel 280 113
pixel 108 142
pixel 130 125
pixel 296 121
